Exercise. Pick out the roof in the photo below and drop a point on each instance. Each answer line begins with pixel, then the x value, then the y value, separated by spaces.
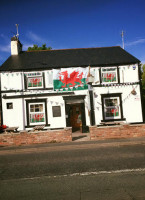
pixel 48 59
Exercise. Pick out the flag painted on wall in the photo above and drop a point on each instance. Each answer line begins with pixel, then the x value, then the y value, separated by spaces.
pixel 70 78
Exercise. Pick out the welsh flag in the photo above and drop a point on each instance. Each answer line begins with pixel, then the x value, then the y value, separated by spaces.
pixel 70 78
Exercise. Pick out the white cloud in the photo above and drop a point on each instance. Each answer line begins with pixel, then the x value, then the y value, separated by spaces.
pixel 139 41
pixel 5 48
pixel 34 37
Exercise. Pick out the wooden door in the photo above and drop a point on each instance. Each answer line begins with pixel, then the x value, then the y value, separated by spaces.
pixel 75 117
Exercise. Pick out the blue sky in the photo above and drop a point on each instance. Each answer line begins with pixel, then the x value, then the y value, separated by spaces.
pixel 64 24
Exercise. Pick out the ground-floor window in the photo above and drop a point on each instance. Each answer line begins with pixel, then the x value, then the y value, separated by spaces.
pixel 36 112
pixel 112 107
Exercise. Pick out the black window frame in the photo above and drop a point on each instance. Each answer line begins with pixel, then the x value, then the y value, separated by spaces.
pixel 119 95
pixel 35 88
pixel 118 75
pixel 27 112
pixel 9 105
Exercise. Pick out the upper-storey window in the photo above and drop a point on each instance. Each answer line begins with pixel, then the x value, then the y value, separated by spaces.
pixel 109 75
pixel 35 80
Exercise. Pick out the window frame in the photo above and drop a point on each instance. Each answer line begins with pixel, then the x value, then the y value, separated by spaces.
pixel 111 96
pixel 34 75
pixel 37 113
pixel 116 71
pixel 36 101
pixel 9 105
pixel 111 107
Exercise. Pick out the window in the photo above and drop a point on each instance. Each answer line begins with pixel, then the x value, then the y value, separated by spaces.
pixel 56 111
pixel 9 105
pixel 109 75
pixel 112 108
pixel 34 80
pixel 37 113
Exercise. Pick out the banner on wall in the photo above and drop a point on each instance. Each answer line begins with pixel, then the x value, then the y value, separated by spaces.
pixel 70 78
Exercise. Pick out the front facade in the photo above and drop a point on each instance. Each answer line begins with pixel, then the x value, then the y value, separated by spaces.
pixel 31 96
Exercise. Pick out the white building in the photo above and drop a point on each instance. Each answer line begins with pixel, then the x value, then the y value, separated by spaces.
pixel 29 97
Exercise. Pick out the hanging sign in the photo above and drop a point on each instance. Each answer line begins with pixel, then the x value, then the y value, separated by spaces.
pixel 70 78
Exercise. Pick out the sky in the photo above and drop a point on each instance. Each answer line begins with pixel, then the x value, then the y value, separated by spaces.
pixel 65 24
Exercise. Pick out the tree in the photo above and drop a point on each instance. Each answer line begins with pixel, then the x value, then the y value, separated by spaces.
pixel 36 48
pixel 143 76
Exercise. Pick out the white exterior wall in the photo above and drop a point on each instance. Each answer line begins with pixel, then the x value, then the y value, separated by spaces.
pixel 131 104
pixel 56 122
pixel 11 81
pixel 128 73
pixel 13 117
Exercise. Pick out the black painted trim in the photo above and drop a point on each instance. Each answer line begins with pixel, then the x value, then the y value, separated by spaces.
pixel 92 116
pixel 37 95
pixel 74 97
pixel 43 75
pixel 116 84
pixel 11 91
pixel 27 110
pixel 83 117
pixel 26 80
pixel 118 75
pixel 100 77
pixel 121 108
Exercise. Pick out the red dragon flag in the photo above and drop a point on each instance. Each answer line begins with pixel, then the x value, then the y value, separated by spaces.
pixel 70 78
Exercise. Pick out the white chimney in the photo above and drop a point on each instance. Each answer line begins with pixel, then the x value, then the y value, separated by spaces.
pixel 16 46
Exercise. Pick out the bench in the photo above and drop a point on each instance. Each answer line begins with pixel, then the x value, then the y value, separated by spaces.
pixel 38 128
pixel 11 129
pixel 112 123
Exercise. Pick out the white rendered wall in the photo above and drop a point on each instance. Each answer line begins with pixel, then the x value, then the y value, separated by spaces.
pixel 11 81
pixel 13 117
pixel 128 73
pixel 131 104
pixel 56 122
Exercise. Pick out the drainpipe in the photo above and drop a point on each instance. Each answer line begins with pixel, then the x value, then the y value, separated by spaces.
pixel 23 103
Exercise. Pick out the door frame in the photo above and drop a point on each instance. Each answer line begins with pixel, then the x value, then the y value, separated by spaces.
pixel 80 100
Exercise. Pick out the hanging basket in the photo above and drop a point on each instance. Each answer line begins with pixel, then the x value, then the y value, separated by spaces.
pixel 133 92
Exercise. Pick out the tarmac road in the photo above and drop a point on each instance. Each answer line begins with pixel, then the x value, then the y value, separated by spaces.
pixel 113 169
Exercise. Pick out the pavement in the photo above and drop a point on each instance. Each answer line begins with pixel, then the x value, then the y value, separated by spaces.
pixel 76 144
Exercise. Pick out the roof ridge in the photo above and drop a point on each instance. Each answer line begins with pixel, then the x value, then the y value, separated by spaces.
pixel 72 49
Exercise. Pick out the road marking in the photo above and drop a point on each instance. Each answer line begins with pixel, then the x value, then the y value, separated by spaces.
pixel 81 174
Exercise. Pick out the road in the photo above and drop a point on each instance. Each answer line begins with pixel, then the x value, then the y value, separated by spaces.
pixel 104 170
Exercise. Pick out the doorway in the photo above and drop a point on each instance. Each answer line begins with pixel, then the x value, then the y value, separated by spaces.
pixel 75 117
